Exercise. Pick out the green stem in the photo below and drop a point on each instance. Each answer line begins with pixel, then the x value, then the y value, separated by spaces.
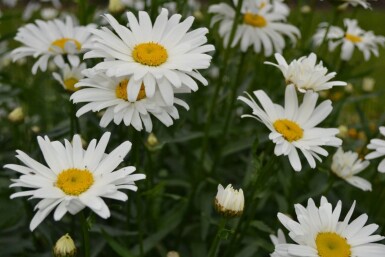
pixel 219 84
pixel 86 236
pixel 217 240
pixel 233 97
pixel 82 11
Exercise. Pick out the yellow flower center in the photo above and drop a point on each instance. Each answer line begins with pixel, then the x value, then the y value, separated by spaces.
pixel 121 91
pixel 74 181
pixel 263 4
pixel 330 244
pixel 254 20
pixel 62 42
pixel 70 84
pixel 290 130
pixel 353 38
pixel 150 54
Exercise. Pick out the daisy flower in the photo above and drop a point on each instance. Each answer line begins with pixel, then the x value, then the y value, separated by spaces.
pixel 306 74
pixel 229 202
pixel 294 127
pixel 363 3
pixel 378 145
pixel 74 178
pixel 261 26
pixel 51 39
pixel 346 165
pixel 162 55
pixel 278 239
pixel 351 37
pixel 101 92
pixel 320 233
pixel 70 76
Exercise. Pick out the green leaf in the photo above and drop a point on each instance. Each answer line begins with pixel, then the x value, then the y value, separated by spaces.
pixel 117 247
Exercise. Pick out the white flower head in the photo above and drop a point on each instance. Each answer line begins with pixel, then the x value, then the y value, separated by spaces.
pixel 347 165
pixel 278 239
pixel 351 37
pixel 229 202
pixel 263 26
pixel 306 74
pixel 51 39
pixel 74 178
pixel 320 233
pixel 70 75
pixel 100 92
pixel 378 145
pixel 163 55
pixel 364 3
pixel 295 127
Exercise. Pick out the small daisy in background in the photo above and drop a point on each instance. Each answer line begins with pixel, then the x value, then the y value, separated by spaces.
pixel 74 178
pixel 101 92
pixel 162 55
pixel 294 127
pixel 278 239
pixel 51 39
pixel 305 74
pixel 364 3
pixel 349 37
pixel 378 145
pixel 263 26
pixel 69 76
pixel 347 165
pixel 320 233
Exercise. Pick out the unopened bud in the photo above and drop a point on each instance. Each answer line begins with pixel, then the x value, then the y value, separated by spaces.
pixel 368 84
pixel 305 9
pixel 229 202
pixel 115 6
pixel 64 247
pixel 16 115
pixel 172 254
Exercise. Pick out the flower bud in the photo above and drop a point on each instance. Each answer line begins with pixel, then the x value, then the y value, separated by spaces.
pixel 368 84
pixel 229 202
pixel 173 254
pixel 64 247
pixel 16 115
pixel 115 6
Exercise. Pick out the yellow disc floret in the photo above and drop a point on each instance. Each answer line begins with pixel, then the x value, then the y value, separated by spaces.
pixel 330 244
pixel 74 181
pixel 290 130
pixel 70 84
pixel 150 54
pixel 121 91
pixel 254 20
pixel 63 41
pixel 353 38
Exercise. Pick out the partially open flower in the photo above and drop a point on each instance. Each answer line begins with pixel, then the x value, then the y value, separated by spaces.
pixel 64 247
pixel 229 202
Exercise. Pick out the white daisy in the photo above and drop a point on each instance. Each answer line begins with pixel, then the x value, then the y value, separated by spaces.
pixel 363 3
pixel 261 26
pixel 346 165
pixel 162 55
pixel 349 38
pixel 278 239
pixel 306 74
pixel 70 76
pixel 74 178
pixel 378 145
pixel 320 233
pixel 294 127
pixel 54 38
pixel 110 93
